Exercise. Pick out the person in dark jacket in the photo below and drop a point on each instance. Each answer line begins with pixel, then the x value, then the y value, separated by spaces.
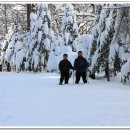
pixel 64 67
pixel 81 65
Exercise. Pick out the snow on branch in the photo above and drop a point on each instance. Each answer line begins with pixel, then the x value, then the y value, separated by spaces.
pixel 83 24
pixel 114 7
pixel 80 14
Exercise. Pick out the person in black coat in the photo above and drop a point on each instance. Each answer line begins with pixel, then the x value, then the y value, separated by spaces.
pixel 64 67
pixel 81 65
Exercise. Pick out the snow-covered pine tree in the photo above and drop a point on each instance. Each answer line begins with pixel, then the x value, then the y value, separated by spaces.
pixel 20 51
pixel 40 38
pixel 95 31
pixel 100 60
pixel 4 46
pixel 124 51
pixel 69 27
pixel 10 36
pixel 114 57
pixel 14 36
pixel 120 47
pixel 98 28
pixel 95 35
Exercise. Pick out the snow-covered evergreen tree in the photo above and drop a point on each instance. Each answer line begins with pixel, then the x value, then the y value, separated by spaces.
pixel 20 52
pixel 120 47
pixel 100 60
pixel 69 28
pixel 114 57
pixel 14 48
pixel 10 50
pixel 95 31
pixel 40 38
pixel 8 46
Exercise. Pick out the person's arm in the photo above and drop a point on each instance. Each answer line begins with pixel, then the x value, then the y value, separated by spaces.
pixel 70 65
pixel 60 65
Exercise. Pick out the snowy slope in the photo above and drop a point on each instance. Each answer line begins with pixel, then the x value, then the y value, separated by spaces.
pixel 35 99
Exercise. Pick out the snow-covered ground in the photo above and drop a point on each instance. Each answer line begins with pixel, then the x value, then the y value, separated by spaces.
pixel 35 99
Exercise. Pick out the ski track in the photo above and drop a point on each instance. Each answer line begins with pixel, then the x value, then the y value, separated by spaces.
pixel 36 99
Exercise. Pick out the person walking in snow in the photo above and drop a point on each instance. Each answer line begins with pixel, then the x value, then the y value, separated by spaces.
pixel 64 67
pixel 81 65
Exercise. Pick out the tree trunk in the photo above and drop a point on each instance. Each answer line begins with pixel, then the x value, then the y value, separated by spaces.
pixel 29 9
pixel 8 67
pixel 107 72
pixel 0 68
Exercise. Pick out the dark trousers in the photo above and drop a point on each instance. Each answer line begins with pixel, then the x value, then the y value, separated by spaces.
pixel 81 74
pixel 64 76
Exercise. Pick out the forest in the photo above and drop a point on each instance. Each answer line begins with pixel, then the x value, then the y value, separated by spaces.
pixel 34 37
pixel 65 65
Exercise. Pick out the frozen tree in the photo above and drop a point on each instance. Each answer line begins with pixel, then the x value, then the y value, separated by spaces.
pixel 100 59
pixel 10 51
pixel 40 38
pixel 5 46
pixel 70 29
pixel 120 47
pixel 95 31
pixel 114 57
pixel 20 52
pixel 95 35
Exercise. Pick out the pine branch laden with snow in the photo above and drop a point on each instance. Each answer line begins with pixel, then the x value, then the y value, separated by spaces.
pixel 120 48
pixel 20 52
pixel 9 43
pixel 69 26
pixel 5 43
pixel 125 71
pixel 16 50
pixel 95 32
pixel 41 38
pixel 106 33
